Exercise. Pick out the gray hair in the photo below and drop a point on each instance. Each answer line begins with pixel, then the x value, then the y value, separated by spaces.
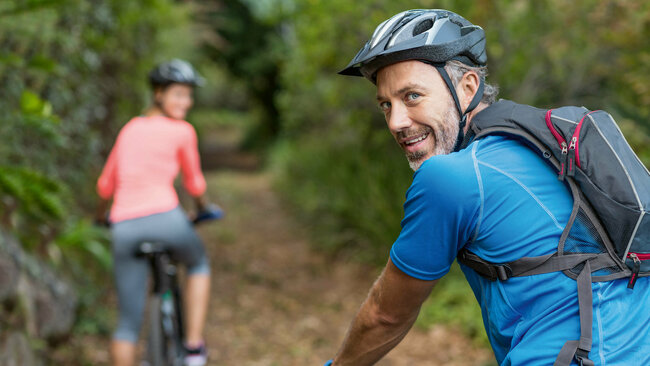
pixel 457 69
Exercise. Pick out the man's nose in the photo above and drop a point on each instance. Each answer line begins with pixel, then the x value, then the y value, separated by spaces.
pixel 399 118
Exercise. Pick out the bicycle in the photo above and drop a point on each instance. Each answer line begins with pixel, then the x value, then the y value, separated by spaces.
pixel 166 328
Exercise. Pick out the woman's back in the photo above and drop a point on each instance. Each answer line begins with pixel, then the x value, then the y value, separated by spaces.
pixel 142 166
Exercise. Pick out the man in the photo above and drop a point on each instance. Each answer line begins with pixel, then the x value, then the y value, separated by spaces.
pixel 496 197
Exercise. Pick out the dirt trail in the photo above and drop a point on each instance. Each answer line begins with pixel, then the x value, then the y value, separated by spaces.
pixel 277 302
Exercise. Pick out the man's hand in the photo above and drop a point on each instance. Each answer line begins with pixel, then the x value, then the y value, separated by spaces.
pixel 384 318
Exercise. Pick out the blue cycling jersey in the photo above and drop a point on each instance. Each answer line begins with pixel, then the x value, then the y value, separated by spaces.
pixel 504 202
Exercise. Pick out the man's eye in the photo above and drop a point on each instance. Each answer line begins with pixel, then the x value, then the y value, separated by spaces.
pixel 384 106
pixel 412 96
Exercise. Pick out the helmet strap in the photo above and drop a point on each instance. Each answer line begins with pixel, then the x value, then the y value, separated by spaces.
pixel 472 105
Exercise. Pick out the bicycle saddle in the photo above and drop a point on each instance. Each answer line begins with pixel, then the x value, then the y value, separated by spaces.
pixel 149 248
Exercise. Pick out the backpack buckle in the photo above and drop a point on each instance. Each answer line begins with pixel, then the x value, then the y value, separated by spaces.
pixel 490 271
pixel 582 356
pixel 503 272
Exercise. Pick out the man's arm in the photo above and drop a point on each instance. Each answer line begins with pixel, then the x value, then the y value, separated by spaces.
pixel 384 318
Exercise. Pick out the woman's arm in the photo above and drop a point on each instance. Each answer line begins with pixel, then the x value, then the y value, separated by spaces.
pixel 106 187
pixel 190 162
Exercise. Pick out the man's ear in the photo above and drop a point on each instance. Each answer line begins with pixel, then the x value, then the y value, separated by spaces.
pixel 467 87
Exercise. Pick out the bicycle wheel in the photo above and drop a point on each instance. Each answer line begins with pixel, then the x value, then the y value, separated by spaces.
pixel 165 346
pixel 156 346
pixel 171 329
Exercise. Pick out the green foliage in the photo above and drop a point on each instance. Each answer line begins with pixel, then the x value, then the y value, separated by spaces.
pixel 82 238
pixel 87 257
pixel 342 193
pixel 596 62
pixel 248 44
pixel 35 197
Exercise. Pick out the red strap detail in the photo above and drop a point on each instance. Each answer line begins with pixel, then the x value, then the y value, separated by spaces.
pixel 550 126
pixel 576 134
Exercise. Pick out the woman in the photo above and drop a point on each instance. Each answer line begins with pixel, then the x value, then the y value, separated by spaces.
pixel 138 176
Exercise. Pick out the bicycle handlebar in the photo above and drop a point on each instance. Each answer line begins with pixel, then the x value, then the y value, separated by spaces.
pixel 212 212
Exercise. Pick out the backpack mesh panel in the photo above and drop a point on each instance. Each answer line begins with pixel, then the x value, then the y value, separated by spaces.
pixel 584 238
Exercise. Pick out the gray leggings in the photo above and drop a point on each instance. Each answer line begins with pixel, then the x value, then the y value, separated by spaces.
pixel 131 273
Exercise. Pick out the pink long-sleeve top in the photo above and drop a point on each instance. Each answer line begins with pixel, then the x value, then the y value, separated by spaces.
pixel 146 158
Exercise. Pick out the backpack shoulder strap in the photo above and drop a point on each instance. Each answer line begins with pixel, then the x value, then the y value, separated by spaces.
pixel 504 115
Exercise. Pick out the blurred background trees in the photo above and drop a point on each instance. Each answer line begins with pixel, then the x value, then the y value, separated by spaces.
pixel 74 71
pixel 249 47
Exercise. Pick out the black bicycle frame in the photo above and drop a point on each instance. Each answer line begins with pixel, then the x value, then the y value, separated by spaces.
pixel 165 278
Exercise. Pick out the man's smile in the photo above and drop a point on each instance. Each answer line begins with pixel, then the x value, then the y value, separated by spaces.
pixel 414 141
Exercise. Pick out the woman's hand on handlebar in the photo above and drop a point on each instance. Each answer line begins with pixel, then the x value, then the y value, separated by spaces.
pixel 208 213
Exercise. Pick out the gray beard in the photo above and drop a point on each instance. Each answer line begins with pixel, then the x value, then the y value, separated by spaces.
pixel 445 139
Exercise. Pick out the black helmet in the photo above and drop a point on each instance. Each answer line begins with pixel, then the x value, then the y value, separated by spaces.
pixel 433 36
pixel 175 71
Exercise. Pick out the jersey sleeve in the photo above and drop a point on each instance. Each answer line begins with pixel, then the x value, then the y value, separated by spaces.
pixel 190 162
pixel 440 216
pixel 108 178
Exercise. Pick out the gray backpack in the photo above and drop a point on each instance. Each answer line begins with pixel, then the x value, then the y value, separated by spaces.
pixel 608 233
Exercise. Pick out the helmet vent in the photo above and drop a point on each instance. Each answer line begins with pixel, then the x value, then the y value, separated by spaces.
pixel 466 30
pixel 422 27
